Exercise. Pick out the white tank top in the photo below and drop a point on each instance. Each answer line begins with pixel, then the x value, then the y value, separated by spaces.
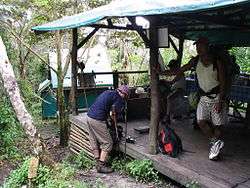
pixel 207 76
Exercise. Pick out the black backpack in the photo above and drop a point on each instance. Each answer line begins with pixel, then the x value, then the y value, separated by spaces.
pixel 169 142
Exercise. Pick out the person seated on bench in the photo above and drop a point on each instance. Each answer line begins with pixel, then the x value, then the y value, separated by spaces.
pixel 175 99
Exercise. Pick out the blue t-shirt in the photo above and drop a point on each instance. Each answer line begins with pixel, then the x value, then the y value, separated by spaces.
pixel 100 109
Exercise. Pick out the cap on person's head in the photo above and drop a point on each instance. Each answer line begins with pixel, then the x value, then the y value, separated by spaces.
pixel 124 89
pixel 201 40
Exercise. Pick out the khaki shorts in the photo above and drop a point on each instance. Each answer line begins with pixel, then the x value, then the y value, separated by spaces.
pixel 206 111
pixel 99 135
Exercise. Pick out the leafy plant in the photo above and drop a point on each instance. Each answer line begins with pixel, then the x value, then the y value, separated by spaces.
pixel 19 176
pixel 81 161
pixel 10 131
pixel 142 170
pixel 61 176
pixel 119 164
pixel 242 58
pixel 43 175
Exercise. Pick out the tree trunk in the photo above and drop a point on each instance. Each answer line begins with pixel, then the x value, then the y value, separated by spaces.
pixel 62 118
pixel 21 61
pixel 74 72
pixel 10 84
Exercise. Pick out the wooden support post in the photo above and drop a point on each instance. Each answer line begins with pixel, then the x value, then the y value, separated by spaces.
pixel 173 44
pixel 115 80
pixel 154 80
pixel 180 51
pixel 247 121
pixel 74 74
pixel 248 115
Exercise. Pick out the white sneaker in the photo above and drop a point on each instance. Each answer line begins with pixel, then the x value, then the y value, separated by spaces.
pixel 216 146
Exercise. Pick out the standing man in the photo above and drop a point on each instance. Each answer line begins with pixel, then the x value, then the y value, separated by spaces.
pixel 99 136
pixel 175 98
pixel 212 107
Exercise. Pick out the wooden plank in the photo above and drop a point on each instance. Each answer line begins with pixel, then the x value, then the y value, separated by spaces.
pixel 87 148
pixel 73 145
pixel 82 142
pixel 77 152
pixel 194 164
pixel 80 137
pixel 74 151
pixel 79 121
pixel 172 169
pixel 80 133
pixel 81 128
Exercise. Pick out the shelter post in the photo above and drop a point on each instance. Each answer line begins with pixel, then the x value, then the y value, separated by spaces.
pixel 248 110
pixel 180 52
pixel 74 72
pixel 154 80
pixel 115 79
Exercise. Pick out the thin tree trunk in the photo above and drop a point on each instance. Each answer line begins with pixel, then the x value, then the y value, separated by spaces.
pixel 62 119
pixel 23 116
pixel 13 33
pixel 10 84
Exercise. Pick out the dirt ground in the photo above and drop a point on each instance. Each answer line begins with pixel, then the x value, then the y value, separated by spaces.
pixel 50 134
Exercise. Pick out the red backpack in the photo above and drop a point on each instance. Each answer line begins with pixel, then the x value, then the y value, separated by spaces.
pixel 169 142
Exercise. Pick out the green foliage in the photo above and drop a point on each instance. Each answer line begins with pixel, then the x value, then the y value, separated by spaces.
pixel 44 174
pixel 168 54
pixel 62 176
pixel 19 176
pixel 142 170
pixel 81 161
pixel 31 100
pixel 10 131
pixel 242 58
pixel 193 184
pixel 119 164
pixel 135 63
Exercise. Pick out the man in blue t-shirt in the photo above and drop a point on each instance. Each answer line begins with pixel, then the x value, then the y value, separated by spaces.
pixel 99 136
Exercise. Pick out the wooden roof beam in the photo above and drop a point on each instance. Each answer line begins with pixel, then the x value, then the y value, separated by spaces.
pixel 103 26
pixel 87 38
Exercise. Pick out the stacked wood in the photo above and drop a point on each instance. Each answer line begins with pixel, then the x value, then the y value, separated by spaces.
pixel 79 139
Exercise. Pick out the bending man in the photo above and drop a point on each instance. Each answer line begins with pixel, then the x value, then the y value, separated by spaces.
pixel 99 136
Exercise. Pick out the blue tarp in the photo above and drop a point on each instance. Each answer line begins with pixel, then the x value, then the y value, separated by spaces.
pixel 125 8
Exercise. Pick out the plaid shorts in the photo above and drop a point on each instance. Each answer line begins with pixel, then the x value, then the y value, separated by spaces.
pixel 206 111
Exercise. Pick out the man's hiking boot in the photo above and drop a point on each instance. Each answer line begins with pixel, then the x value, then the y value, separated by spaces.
pixel 215 148
pixel 101 167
